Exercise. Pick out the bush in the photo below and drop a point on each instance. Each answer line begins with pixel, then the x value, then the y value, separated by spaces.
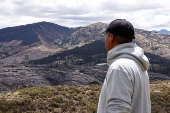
pixel 93 108
pixel 73 108
pixel 83 102
pixel 54 104
pixel 58 99
pixel 72 99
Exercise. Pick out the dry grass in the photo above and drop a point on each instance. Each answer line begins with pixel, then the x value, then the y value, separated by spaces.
pixel 72 99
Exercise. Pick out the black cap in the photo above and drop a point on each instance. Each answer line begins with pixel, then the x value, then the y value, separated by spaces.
pixel 121 27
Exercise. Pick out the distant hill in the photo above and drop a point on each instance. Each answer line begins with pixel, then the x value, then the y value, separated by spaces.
pixel 31 33
pixel 39 40
pixel 163 31
pixel 94 53
pixel 155 43
pixel 36 40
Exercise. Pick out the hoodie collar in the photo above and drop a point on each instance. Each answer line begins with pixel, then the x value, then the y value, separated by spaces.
pixel 131 51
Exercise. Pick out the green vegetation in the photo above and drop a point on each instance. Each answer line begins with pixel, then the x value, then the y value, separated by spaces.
pixel 160 97
pixel 72 99
pixel 55 99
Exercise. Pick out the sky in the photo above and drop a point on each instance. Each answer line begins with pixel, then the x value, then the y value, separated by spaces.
pixel 143 14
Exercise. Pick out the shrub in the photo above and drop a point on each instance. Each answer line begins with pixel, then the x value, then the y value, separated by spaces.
pixel 93 108
pixel 54 104
pixel 83 102
pixel 73 99
pixel 79 97
pixel 73 108
pixel 58 99
pixel 50 108
pixel 64 108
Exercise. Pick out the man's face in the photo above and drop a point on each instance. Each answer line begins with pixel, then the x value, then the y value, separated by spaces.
pixel 108 41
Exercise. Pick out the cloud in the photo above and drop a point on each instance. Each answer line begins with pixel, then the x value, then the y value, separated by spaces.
pixel 143 14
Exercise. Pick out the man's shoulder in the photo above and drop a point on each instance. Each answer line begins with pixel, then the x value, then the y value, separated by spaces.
pixel 122 61
pixel 123 64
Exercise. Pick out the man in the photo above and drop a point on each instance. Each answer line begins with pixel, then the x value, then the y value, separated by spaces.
pixel 126 85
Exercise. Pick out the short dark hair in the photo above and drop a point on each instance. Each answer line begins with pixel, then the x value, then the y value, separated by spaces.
pixel 121 40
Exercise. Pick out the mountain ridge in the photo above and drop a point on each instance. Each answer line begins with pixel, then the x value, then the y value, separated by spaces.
pixel 163 31
pixel 42 39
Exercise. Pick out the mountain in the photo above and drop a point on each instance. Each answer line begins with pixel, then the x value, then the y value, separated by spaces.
pixel 38 40
pixel 155 43
pixel 163 31
pixel 35 41
pixel 87 35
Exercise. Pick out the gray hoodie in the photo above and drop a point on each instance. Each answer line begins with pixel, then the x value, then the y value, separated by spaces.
pixel 126 86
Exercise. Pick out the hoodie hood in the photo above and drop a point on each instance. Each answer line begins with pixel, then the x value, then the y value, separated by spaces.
pixel 131 51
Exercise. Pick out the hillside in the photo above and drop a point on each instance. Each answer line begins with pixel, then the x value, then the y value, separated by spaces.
pixel 39 40
pixel 14 78
pixel 36 40
pixel 95 53
pixel 154 43
pixel 90 53
pixel 18 77
pixel 66 99
pixel 86 35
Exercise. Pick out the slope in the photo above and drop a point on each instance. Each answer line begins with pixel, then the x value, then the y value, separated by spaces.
pixel 94 53
pixel 42 39
pixel 36 40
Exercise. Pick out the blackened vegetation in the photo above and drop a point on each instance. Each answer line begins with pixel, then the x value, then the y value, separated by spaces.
pixel 95 52
pixel 73 67
pixel 90 54
pixel 17 77
pixel 158 64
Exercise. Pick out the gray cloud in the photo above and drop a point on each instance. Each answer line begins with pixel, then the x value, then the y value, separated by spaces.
pixel 115 6
pixel 143 14
pixel 61 11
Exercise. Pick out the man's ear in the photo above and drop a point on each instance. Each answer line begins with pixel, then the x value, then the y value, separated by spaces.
pixel 111 40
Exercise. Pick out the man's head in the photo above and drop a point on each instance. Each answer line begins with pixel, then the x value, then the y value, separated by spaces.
pixel 118 32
